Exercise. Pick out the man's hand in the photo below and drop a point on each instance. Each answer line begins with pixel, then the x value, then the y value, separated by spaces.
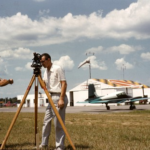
pixel 11 81
pixel 5 82
pixel 60 103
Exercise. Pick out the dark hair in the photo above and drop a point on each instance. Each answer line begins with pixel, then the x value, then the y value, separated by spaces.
pixel 46 56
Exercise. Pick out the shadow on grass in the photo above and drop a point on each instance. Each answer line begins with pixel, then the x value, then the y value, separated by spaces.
pixel 19 146
pixel 112 110
pixel 22 146
pixel 78 147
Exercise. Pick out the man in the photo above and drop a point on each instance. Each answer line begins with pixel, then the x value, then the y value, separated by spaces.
pixel 4 82
pixel 54 79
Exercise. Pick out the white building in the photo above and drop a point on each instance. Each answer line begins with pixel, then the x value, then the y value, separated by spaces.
pixel 102 86
pixel 107 86
pixel 42 100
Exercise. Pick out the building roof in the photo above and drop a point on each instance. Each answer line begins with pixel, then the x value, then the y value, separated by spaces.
pixel 109 83
pixel 122 83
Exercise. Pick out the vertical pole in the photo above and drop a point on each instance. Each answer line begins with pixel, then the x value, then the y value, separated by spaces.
pixel 56 112
pixel 90 69
pixel 126 90
pixel 143 90
pixel 35 108
pixel 17 113
pixel 123 73
pixel 123 69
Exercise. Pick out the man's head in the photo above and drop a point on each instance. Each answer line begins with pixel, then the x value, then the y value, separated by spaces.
pixel 45 60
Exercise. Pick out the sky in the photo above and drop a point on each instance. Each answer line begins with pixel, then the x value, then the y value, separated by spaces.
pixel 113 34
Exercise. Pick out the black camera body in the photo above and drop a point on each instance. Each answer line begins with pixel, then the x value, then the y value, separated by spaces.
pixel 36 61
pixel 36 64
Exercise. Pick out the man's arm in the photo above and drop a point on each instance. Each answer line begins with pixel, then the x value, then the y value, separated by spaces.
pixel 4 82
pixel 63 93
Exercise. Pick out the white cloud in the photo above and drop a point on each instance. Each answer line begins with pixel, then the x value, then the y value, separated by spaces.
pixel 28 66
pixel 1 60
pixel 124 49
pixel 44 12
pixel 65 62
pixel 146 56
pixel 20 53
pixel 119 24
pixel 19 69
pixel 3 68
pixel 122 63
pixel 95 64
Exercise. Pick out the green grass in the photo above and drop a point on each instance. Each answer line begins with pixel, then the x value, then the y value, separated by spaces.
pixel 116 131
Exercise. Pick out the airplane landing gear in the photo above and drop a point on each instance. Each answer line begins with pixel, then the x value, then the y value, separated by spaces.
pixel 132 106
pixel 107 107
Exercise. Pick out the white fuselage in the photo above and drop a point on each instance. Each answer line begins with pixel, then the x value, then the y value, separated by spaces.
pixel 113 95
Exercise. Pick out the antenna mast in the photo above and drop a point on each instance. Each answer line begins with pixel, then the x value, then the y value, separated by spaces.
pixel 87 54
pixel 123 68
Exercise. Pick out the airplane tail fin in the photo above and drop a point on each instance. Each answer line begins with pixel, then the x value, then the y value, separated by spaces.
pixel 91 91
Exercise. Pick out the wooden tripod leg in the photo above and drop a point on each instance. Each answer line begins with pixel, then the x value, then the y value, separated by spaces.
pixel 56 112
pixel 17 113
pixel 36 106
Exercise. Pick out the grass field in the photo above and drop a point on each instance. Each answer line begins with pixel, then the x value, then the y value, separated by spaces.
pixel 116 131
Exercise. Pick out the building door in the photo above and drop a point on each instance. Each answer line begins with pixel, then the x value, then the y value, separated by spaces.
pixel 41 102
pixel 71 99
pixel 28 103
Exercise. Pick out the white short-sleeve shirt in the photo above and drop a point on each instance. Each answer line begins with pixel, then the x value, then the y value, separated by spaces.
pixel 53 77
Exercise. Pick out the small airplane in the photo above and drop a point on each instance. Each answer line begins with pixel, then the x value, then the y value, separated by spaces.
pixel 115 97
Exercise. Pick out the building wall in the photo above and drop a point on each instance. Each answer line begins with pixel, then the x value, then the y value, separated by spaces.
pixel 139 92
pixel 42 100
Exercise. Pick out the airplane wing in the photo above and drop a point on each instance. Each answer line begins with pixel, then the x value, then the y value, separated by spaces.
pixel 84 102
pixel 118 101
pixel 98 101
pixel 109 101
pixel 139 99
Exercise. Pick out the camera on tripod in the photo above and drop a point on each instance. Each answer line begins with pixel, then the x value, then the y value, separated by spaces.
pixel 36 64
pixel 36 61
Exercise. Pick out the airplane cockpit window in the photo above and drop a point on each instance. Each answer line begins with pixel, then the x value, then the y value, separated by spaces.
pixel 121 94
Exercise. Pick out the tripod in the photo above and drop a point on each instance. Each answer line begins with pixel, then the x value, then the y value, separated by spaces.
pixel 34 78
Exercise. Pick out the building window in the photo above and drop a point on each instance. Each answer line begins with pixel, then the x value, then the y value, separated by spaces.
pixel 47 100
pixel 18 101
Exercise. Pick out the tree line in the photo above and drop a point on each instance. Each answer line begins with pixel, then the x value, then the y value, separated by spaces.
pixel 12 100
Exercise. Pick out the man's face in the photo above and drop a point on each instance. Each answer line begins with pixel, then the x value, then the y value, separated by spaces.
pixel 45 63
